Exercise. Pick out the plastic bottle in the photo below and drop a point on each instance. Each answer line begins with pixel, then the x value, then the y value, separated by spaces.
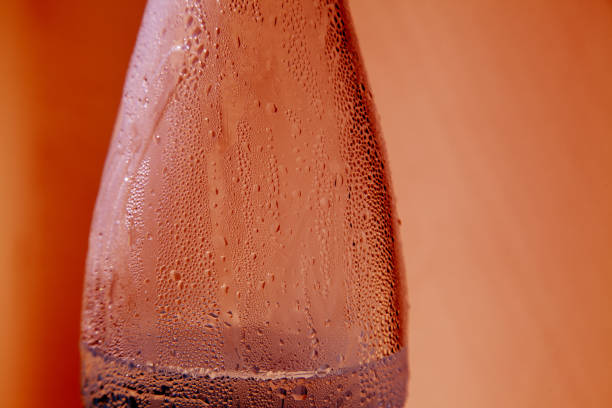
pixel 243 250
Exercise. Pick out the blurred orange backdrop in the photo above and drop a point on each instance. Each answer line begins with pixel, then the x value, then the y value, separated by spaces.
pixel 498 122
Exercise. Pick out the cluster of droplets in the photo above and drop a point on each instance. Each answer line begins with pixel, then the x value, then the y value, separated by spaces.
pixel 250 8
pixel 375 299
pixel 298 33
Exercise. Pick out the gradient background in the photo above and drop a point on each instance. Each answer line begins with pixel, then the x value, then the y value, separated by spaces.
pixel 498 122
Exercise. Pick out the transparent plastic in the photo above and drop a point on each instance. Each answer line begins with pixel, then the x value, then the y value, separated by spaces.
pixel 243 250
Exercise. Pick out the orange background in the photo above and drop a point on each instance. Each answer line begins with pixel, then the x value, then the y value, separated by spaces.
pixel 498 122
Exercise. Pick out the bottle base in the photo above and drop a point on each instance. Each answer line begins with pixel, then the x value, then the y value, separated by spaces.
pixel 110 382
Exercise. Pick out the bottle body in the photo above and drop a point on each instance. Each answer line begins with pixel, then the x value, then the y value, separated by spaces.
pixel 243 237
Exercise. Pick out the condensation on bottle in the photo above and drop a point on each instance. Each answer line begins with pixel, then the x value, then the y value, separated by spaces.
pixel 243 251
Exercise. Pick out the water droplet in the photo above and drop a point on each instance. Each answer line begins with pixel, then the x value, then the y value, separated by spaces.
pixel 299 393
pixel 175 275
pixel 271 108
pixel 339 180
pixel 324 369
